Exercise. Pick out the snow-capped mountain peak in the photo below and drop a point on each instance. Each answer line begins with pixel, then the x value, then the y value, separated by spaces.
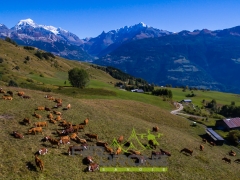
pixel 26 22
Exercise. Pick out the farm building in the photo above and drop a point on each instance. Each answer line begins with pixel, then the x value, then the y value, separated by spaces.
pixel 186 101
pixel 138 90
pixel 215 136
pixel 228 124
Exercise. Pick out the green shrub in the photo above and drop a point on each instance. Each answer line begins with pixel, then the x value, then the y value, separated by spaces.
pixel 12 83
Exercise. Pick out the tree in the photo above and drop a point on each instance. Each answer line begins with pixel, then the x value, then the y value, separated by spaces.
pixel 78 77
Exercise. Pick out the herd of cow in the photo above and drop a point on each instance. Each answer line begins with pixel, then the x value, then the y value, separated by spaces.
pixel 70 132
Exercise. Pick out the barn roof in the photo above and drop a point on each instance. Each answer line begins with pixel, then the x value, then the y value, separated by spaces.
pixel 232 122
pixel 214 135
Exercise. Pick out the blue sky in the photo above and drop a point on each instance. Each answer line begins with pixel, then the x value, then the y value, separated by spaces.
pixel 88 18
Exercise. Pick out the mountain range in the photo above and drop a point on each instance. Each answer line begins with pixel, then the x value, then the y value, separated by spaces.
pixel 202 58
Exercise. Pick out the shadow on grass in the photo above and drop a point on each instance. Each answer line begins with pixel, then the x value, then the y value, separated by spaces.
pixel 31 167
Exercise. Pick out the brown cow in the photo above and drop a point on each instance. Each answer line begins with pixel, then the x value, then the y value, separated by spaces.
pixel 232 153
pixel 34 130
pixel 82 141
pixel 89 159
pixel 26 121
pixel 47 109
pixel 165 152
pixel 188 151
pixel 237 161
pixel 40 124
pixel 53 141
pixel 92 136
pixel 86 121
pixel 50 116
pixel 108 149
pixel 39 162
pixel 17 135
pixel 37 115
pixel 201 147
pixel 227 160
pixel 58 100
pixel 152 144
pixel 74 148
pixel 101 143
pixel 52 121
pixel 118 151
pixel 73 136
pixel 212 143
pixel 68 106
pixel 40 108
pixel 26 97
pixel 92 167
pixel 155 129
pixel 58 118
pixel 7 98
pixel 64 141
pixel 42 151
pixel 134 152
pixel 120 139
pixel 20 93
pixel 57 113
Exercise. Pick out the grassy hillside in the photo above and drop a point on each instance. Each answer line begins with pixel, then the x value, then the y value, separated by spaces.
pixel 112 112
pixel 105 115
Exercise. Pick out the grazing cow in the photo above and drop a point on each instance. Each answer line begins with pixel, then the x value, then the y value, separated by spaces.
pixel 58 118
pixel 204 140
pixel 58 105
pixel 73 136
pixel 134 152
pixel 155 153
pixel 118 151
pixel 109 149
pixel 82 141
pixel 212 143
pixel 34 130
pixel 67 131
pixel 47 109
pixel 120 139
pixel 40 108
pixel 17 135
pixel 42 151
pixel 155 129
pixel 53 141
pixel 237 161
pixel 89 159
pixel 57 113
pixel 74 148
pixel 152 144
pixel 26 121
pixel 40 124
pixel 93 167
pixel 50 116
pixel 7 98
pixel 227 160
pixel 64 141
pixel 52 121
pixel 39 162
pixel 37 115
pixel 20 93
pixel 92 136
pixel 127 144
pixel 165 152
pixel 50 97
pixel 78 127
pixel 26 97
pixel 138 158
pixel 101 143
pixel 86 121
pixel 68 106
pixel 2 91
pixel 188 151
pixel 58 100
pixel 10 93
pixel 232 153
pixel 201 147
